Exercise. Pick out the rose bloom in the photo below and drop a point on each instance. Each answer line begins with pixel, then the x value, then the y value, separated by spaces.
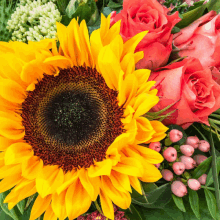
pixel 193 89
pixel 201 40
pixel 142 15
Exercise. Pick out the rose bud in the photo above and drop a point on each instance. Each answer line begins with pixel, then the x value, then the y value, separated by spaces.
pixel 175 135
pixel 187 150
pixel 199 158
pixel 194 184
pixel 202 179
pixel 204 146
pixel 155 146
pixel 157 165
pixel 170 154
pixel 178 189
pixel 178 168
pixel 193 141
pixel 188 162
pixel 167 175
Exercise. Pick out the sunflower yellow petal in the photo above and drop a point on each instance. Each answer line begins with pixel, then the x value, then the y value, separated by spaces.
pixel 40 206
pixel 109 67
pixel 142 75
pixel 114 155
pixel 96 44
pixel 17 153
pixel 100 168
pixel 11 91
pixel 151 173
pixel 50 178
pixel 49 214
pixel 10 170
pixel 85 181
pixel 32 167
pixel 116 46
pixel 77 197
pixel 135 183
pixel 104 26
pixel 120 181
pixel 138 56
pixel 129 166
pixel 5 143
pixel 127 89
pixel 146 87
pixel 128 115
pixel 58 205
pixel 143 103
pixel 107 206
pixel 121 199
pixel 128 64
pixel 9 182
pixel 59 61
pixel 131 44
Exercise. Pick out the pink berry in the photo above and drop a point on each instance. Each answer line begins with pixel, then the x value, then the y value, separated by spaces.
pixel 178 168
pixel 170 154
pixel 175 135
pixel 167 175
pixel 157 165
pixel 194 184
pixel 178 189
pixel 204 146
pixel 155 146
pixel 202 179
pixel 199 158
pixel 193 141
pixel 188 162
pixel 187 150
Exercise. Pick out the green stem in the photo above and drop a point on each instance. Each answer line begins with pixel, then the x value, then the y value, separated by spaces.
pixel 98 207
pixel 206 187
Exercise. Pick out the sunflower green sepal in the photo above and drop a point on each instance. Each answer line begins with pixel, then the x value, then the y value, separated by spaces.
pixel 158 115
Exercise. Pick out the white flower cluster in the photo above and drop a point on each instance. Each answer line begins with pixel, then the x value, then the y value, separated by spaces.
pixel 34 21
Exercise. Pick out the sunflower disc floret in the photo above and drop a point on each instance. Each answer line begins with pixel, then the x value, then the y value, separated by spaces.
pixel 72 124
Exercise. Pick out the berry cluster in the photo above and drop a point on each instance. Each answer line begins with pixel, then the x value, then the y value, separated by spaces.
pixel 184 162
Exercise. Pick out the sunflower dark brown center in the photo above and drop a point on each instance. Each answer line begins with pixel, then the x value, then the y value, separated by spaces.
pixel 71 119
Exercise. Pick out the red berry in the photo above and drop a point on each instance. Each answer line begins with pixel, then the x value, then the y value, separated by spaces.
pixel 187 150
pixel 170 154
pixel 167 175
pixel 178 168
pixel 199 158
pixel 193 141
pixel 178 189
pixel 155 146
pixel 204 146
pixel 202 179
pixel 175 135
pixel 194 184
pixel 188 162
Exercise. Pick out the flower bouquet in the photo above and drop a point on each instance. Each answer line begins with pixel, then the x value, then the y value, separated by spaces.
pixel 109 109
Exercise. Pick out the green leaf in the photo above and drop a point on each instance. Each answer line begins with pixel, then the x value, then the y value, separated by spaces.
pixel 203 136
pixel 167 142
pixel 4 216
pixel 21 206
pixel 214 171
pixel 71 8
pixel 155 198
pixel 14 213
pixel 106 11
pixel 133 213
pixel 191 16
pixel 202 168
pixel 213 5
pixel 175 30
pixel 194 202
pixel 114 5
pixel 209 179
pixel 179 202
pixel 211 202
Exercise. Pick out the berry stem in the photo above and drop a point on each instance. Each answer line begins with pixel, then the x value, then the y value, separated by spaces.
pixel 206 187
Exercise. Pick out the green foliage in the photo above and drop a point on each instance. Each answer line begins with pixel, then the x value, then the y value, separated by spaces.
pixel 179 202
pixel 194 202
pixel 7 7
pixel 214 5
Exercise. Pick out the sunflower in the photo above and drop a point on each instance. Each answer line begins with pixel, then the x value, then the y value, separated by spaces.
pixel 71 121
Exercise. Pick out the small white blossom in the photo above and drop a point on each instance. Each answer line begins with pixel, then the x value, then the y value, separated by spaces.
pixel 34 20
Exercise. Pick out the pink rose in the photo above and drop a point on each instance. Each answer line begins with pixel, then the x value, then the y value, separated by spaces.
pixel 193 89
pixel 201 40
pixel 142 15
